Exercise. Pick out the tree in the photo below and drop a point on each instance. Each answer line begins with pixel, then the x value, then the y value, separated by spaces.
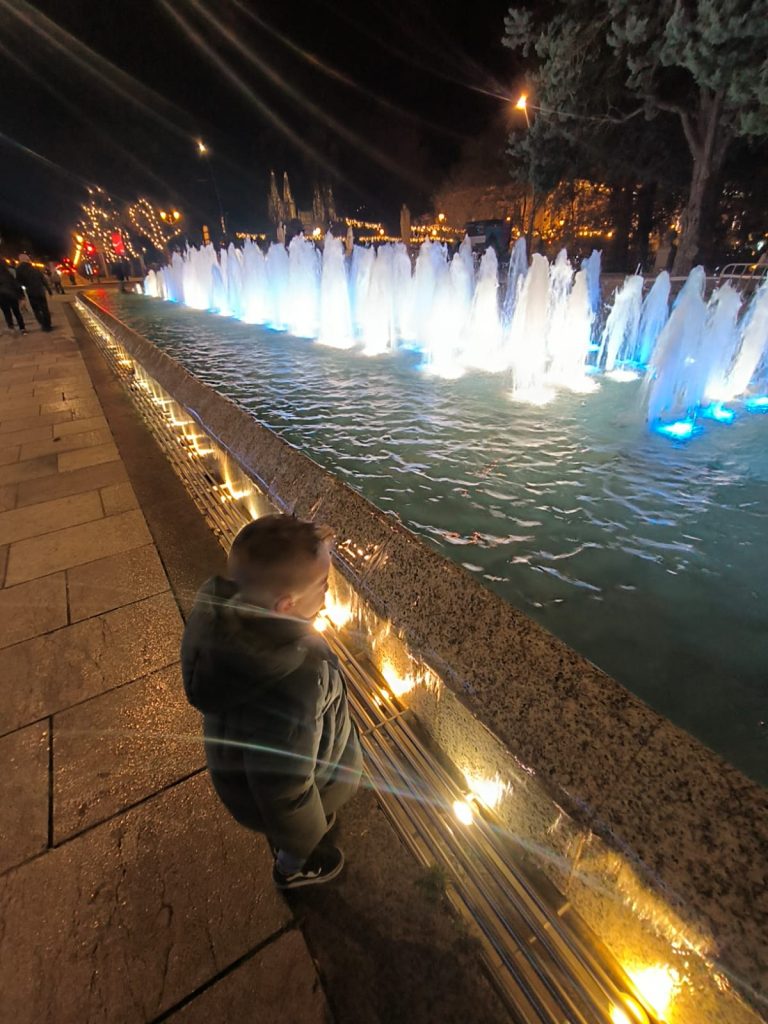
pixel 702 61
pixel 705 61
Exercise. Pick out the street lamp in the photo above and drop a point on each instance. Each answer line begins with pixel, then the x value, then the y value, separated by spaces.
pixel 204 151
pixel 522 104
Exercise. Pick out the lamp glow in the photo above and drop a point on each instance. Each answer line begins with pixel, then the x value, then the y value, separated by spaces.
pixel 619 1016
pixel 399 685
pixel 658 985
pixel 522 102
pixel 463 812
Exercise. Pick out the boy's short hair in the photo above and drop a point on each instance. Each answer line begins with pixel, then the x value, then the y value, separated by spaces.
pixel 273 550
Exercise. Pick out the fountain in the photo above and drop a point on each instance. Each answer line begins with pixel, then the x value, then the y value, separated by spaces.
pixel 540 329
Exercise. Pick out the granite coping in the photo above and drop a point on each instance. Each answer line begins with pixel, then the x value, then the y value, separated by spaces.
pixel 693 826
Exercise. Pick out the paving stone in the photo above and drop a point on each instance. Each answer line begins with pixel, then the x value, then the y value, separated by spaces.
pixel 22 375
pixel 8 496
pixel 23 795
pixel 81 426
pixel 11 392
pixel 30 492
pixel 22 407
pixel 26 435
pixel 78 407
pixel 70 442
pixel 39 556
pixel 9 425
pixel 118 498
pixel 62 370
pixel 49 516
pixel 49 673
pixel 33 608
pixel 9 455
pixel 115 750
pixel 80 391
pixel 88 457
pixel 279 983
pixel 32 469
pixel 121 923
pixel 111 582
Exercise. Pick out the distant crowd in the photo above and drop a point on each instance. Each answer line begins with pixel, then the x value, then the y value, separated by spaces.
pixel 28 287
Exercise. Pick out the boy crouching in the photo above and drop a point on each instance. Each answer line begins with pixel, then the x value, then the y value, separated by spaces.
pixel 282 750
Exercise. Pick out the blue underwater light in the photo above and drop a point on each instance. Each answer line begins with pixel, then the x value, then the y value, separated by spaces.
pixel 681 430
pixel 758 403
pixel 717 411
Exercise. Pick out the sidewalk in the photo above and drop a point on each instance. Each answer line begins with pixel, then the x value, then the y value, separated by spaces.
pixel 127 895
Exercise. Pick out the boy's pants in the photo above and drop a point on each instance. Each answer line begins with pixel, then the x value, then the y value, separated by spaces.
pixel 334 796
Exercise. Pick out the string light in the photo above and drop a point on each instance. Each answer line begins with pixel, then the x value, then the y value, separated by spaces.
pixel 158 227
pixel 101 225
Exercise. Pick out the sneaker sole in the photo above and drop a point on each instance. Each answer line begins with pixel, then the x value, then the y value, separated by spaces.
pixel 301 883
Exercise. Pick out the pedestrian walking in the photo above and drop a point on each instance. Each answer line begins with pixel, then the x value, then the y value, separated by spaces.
pixel 37 289
pixel 10 293
pixel 282 749
pixel 55 273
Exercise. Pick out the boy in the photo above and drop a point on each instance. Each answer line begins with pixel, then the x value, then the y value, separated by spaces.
pixel 282 750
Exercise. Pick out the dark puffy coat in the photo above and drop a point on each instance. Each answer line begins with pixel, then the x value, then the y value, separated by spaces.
pixel 278 732
pixel 9 286
pixel 32 279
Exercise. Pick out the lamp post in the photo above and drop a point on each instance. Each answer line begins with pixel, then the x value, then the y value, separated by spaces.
pixel 205 152
pixel 522 104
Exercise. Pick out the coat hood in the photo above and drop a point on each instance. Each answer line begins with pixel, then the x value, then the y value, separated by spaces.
pixel 231 650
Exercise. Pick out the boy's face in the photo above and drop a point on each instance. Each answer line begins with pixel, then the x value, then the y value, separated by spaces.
pixel 308 596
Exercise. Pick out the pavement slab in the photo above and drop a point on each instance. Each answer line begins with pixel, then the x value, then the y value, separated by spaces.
pixel 39 556
pixel 49 673
pixel 116 580
pixel 119 748
pixel 24 784
pixel 33 608
pixel 88 456
pixel 30 492
pixel 69 443
pixel 49 516
pixel 118 498
pixel 26 435
pixel 279 983
pixel 123 922
pixel 9 425
pixel 32 469
pixel 80 426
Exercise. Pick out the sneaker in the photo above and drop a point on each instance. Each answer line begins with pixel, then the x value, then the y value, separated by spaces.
pixel 323 865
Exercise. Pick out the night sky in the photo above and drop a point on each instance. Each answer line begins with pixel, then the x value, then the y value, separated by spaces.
pixel 115 93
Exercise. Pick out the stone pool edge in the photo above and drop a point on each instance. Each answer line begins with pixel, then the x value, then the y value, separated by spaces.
pixel 694 827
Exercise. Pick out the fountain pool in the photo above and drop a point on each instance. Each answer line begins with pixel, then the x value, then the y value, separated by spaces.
pixel 646 556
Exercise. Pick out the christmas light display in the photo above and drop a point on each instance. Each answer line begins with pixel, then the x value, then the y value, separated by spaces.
pixel 157 226
pixel 101 224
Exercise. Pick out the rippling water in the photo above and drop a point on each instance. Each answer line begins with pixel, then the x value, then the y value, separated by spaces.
pixel 647 556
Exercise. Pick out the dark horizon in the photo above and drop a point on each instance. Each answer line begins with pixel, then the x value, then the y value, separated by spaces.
pixel 117 95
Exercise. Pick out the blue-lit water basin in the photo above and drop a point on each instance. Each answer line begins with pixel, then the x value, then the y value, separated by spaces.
pixel 646 554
